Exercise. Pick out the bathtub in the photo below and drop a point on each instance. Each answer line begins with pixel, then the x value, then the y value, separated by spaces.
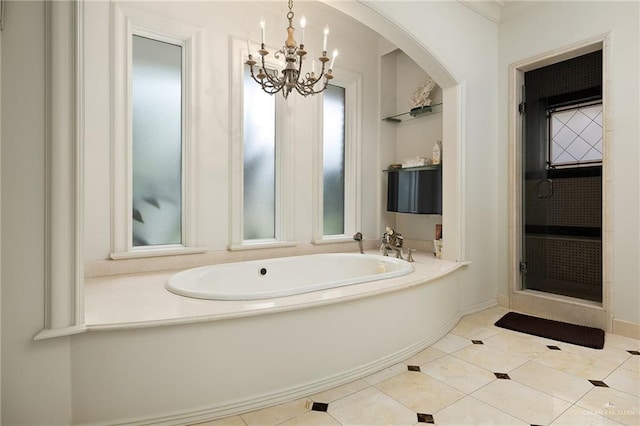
pixel 266 279
pixel 211 351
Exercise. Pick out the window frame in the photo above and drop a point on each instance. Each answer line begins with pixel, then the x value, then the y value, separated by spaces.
pixel 573 106
pixel 128 22
pixel 284 158
pixel 352 83
pixel 181 45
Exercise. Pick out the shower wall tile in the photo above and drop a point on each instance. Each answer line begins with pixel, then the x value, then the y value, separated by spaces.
pixel 565 259
pixel 575 202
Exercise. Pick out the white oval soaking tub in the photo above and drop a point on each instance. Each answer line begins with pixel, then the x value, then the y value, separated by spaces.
pixel 298 345
pixel 269 278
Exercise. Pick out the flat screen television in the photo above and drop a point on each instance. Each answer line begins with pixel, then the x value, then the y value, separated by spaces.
pixel 415 191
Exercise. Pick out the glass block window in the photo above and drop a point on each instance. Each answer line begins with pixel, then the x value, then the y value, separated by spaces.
pixel 333 160
pixel 259 156
pixel 575 136
pixel 156 81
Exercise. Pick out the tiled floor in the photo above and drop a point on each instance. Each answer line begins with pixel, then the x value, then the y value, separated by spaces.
pixel 480 374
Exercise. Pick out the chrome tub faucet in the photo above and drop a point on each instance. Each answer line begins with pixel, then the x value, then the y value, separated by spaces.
pixel 358 237
pixel 391 240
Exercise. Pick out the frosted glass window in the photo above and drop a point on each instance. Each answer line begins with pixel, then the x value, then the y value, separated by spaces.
pixel 333 131
pixel 157 142
pixel 576 135
pixel 259 162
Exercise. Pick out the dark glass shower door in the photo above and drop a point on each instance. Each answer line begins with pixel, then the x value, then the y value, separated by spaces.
pixel 537 191
pixel 562 180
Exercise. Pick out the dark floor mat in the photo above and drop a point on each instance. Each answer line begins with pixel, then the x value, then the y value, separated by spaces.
pixel 556 330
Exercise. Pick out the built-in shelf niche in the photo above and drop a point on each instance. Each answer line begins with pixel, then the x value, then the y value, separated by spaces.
pixel 405 134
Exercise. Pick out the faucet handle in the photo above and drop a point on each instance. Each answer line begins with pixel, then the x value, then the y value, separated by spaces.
pixel 410 254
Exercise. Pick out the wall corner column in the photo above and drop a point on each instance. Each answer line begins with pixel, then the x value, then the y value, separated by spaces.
pixel 64 169
pixel 453 179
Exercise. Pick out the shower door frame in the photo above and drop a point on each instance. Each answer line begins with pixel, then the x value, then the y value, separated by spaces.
pixel 539 303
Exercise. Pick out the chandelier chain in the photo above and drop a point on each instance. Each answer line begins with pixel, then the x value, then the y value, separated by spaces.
pixel 290 13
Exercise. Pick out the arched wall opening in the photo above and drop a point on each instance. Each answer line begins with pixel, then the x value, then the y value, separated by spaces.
pixel 453 95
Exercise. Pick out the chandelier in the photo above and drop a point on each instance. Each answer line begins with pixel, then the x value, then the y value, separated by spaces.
pixel 291 77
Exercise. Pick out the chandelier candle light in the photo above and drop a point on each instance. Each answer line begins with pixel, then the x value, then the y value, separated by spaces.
pixel 293 54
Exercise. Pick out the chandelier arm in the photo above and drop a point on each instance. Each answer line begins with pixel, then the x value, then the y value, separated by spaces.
pixel 308 89
pixel 272 88
pixel 269 87
pixel 253 75
pixel 307 92
pixel 299 66
pixel 302 92
pixel 321 72
pixel 260 82
pixel 275 82
pixel 307 86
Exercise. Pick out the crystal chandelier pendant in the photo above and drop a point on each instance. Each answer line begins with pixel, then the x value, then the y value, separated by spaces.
pixel 291 77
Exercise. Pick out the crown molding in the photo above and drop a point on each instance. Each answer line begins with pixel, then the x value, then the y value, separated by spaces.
pixel 492 10
pixel 500 11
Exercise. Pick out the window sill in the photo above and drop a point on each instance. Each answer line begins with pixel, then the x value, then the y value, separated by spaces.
pixel 172 250
pixel 261 244
pixel 334 239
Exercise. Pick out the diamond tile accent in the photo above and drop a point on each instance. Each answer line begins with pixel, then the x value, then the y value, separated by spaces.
pixel 425 418
pixel 320 406
pixel 545 383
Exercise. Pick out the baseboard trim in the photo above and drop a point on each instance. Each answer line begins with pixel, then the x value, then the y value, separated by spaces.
pixel 218 411
pixel 626 328
pixel 479 307
pixel 503 300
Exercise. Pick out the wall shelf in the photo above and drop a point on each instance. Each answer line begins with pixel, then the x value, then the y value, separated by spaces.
pixel 414 169
pixel 415 113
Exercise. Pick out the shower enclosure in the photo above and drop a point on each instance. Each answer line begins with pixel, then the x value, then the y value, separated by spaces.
pixel 562 178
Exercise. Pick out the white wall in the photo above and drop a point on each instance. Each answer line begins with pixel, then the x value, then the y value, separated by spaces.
pixel 217 22
pixel 554 25
pixel 36 376
pixel 466 46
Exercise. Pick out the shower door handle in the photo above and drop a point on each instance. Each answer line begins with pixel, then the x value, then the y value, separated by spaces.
pixel 545 188
pixel 523 267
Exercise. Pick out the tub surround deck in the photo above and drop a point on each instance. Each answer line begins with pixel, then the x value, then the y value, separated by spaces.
pixel 141 300
pixel 344 333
